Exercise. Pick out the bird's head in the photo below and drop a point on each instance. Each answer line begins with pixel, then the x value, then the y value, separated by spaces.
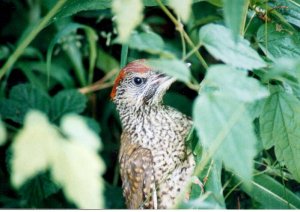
pixel 138 84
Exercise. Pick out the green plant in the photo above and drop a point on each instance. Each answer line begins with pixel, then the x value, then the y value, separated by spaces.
pixel 59 133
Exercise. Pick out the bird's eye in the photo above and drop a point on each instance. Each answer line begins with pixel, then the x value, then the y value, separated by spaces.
pixel 138 81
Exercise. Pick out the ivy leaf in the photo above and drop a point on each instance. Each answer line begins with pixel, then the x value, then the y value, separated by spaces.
pixel 128 15
pixel 233 83
pixel 67 101
pixel 279 124
pixel 226 131
pixel 235 15
pixel 172 67
pixel 23 98
pixel 280 42
pixel 181 8
pixel 219 42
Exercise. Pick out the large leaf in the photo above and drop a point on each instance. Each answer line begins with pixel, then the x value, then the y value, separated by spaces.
pixel 226 131
pixel 279 126
pixel 128 15
pixel 67 101
pixel 277 42
pixel 219 42
pixel 272 194
pixel 235 15
pixel 22 98
pixel 173 67
pixel 233 83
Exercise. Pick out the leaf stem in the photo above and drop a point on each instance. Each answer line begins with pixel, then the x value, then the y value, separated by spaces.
pixel 27 40
pixel 179 27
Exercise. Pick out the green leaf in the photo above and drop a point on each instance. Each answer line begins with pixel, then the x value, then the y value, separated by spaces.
pixel 37 189
pixel 181 8
pixel 66 157
pixel 106 62
pixel 219 42
pixel 271 194
pixel 146 41
pixel 226 131
pixel 67 101
pixel 2 133
pixel 279 126
pixel 129 14
pixel 235 16
pixel 23 98
pixel 172 67
pixel 235 84
pixel 75 6
pixel 277 42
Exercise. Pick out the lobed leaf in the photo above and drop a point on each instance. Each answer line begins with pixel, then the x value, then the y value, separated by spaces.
pixel 279 126
pixel 219 42
pixel 67 101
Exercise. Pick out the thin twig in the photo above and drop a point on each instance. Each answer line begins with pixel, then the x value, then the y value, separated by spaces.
pixel 100 84
pixel 179 27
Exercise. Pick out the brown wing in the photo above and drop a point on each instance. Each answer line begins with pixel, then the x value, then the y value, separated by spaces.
pixel 137 175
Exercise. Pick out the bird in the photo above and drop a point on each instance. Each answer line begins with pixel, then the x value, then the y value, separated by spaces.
pixel 155 162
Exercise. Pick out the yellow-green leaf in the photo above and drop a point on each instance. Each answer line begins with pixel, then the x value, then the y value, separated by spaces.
pixel 2 133
pixel 33 148
pixel 181 8
pixel 128 14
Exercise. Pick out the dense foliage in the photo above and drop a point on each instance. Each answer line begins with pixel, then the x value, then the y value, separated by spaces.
pixel 59 130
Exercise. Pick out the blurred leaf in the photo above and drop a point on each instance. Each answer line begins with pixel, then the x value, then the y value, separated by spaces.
pixel 75 6
pixel 128 15
pixel 279 126
pixel 76 129
pixel 2 133
pixel 235 16
pixel 226 131
pixel 181 8
pixel 106 62
pixel 43 148
pixel 92 124
pixel 219 42
pixel 67 101
pixel 278 42
pixel 73 51
pixel 22 98
pixel 146 41
pixel 36 144
pixel 271 194
pixel 173 67
pixel 235 84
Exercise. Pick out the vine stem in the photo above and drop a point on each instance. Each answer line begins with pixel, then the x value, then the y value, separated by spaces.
pixel 179 27
pixel 27 40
